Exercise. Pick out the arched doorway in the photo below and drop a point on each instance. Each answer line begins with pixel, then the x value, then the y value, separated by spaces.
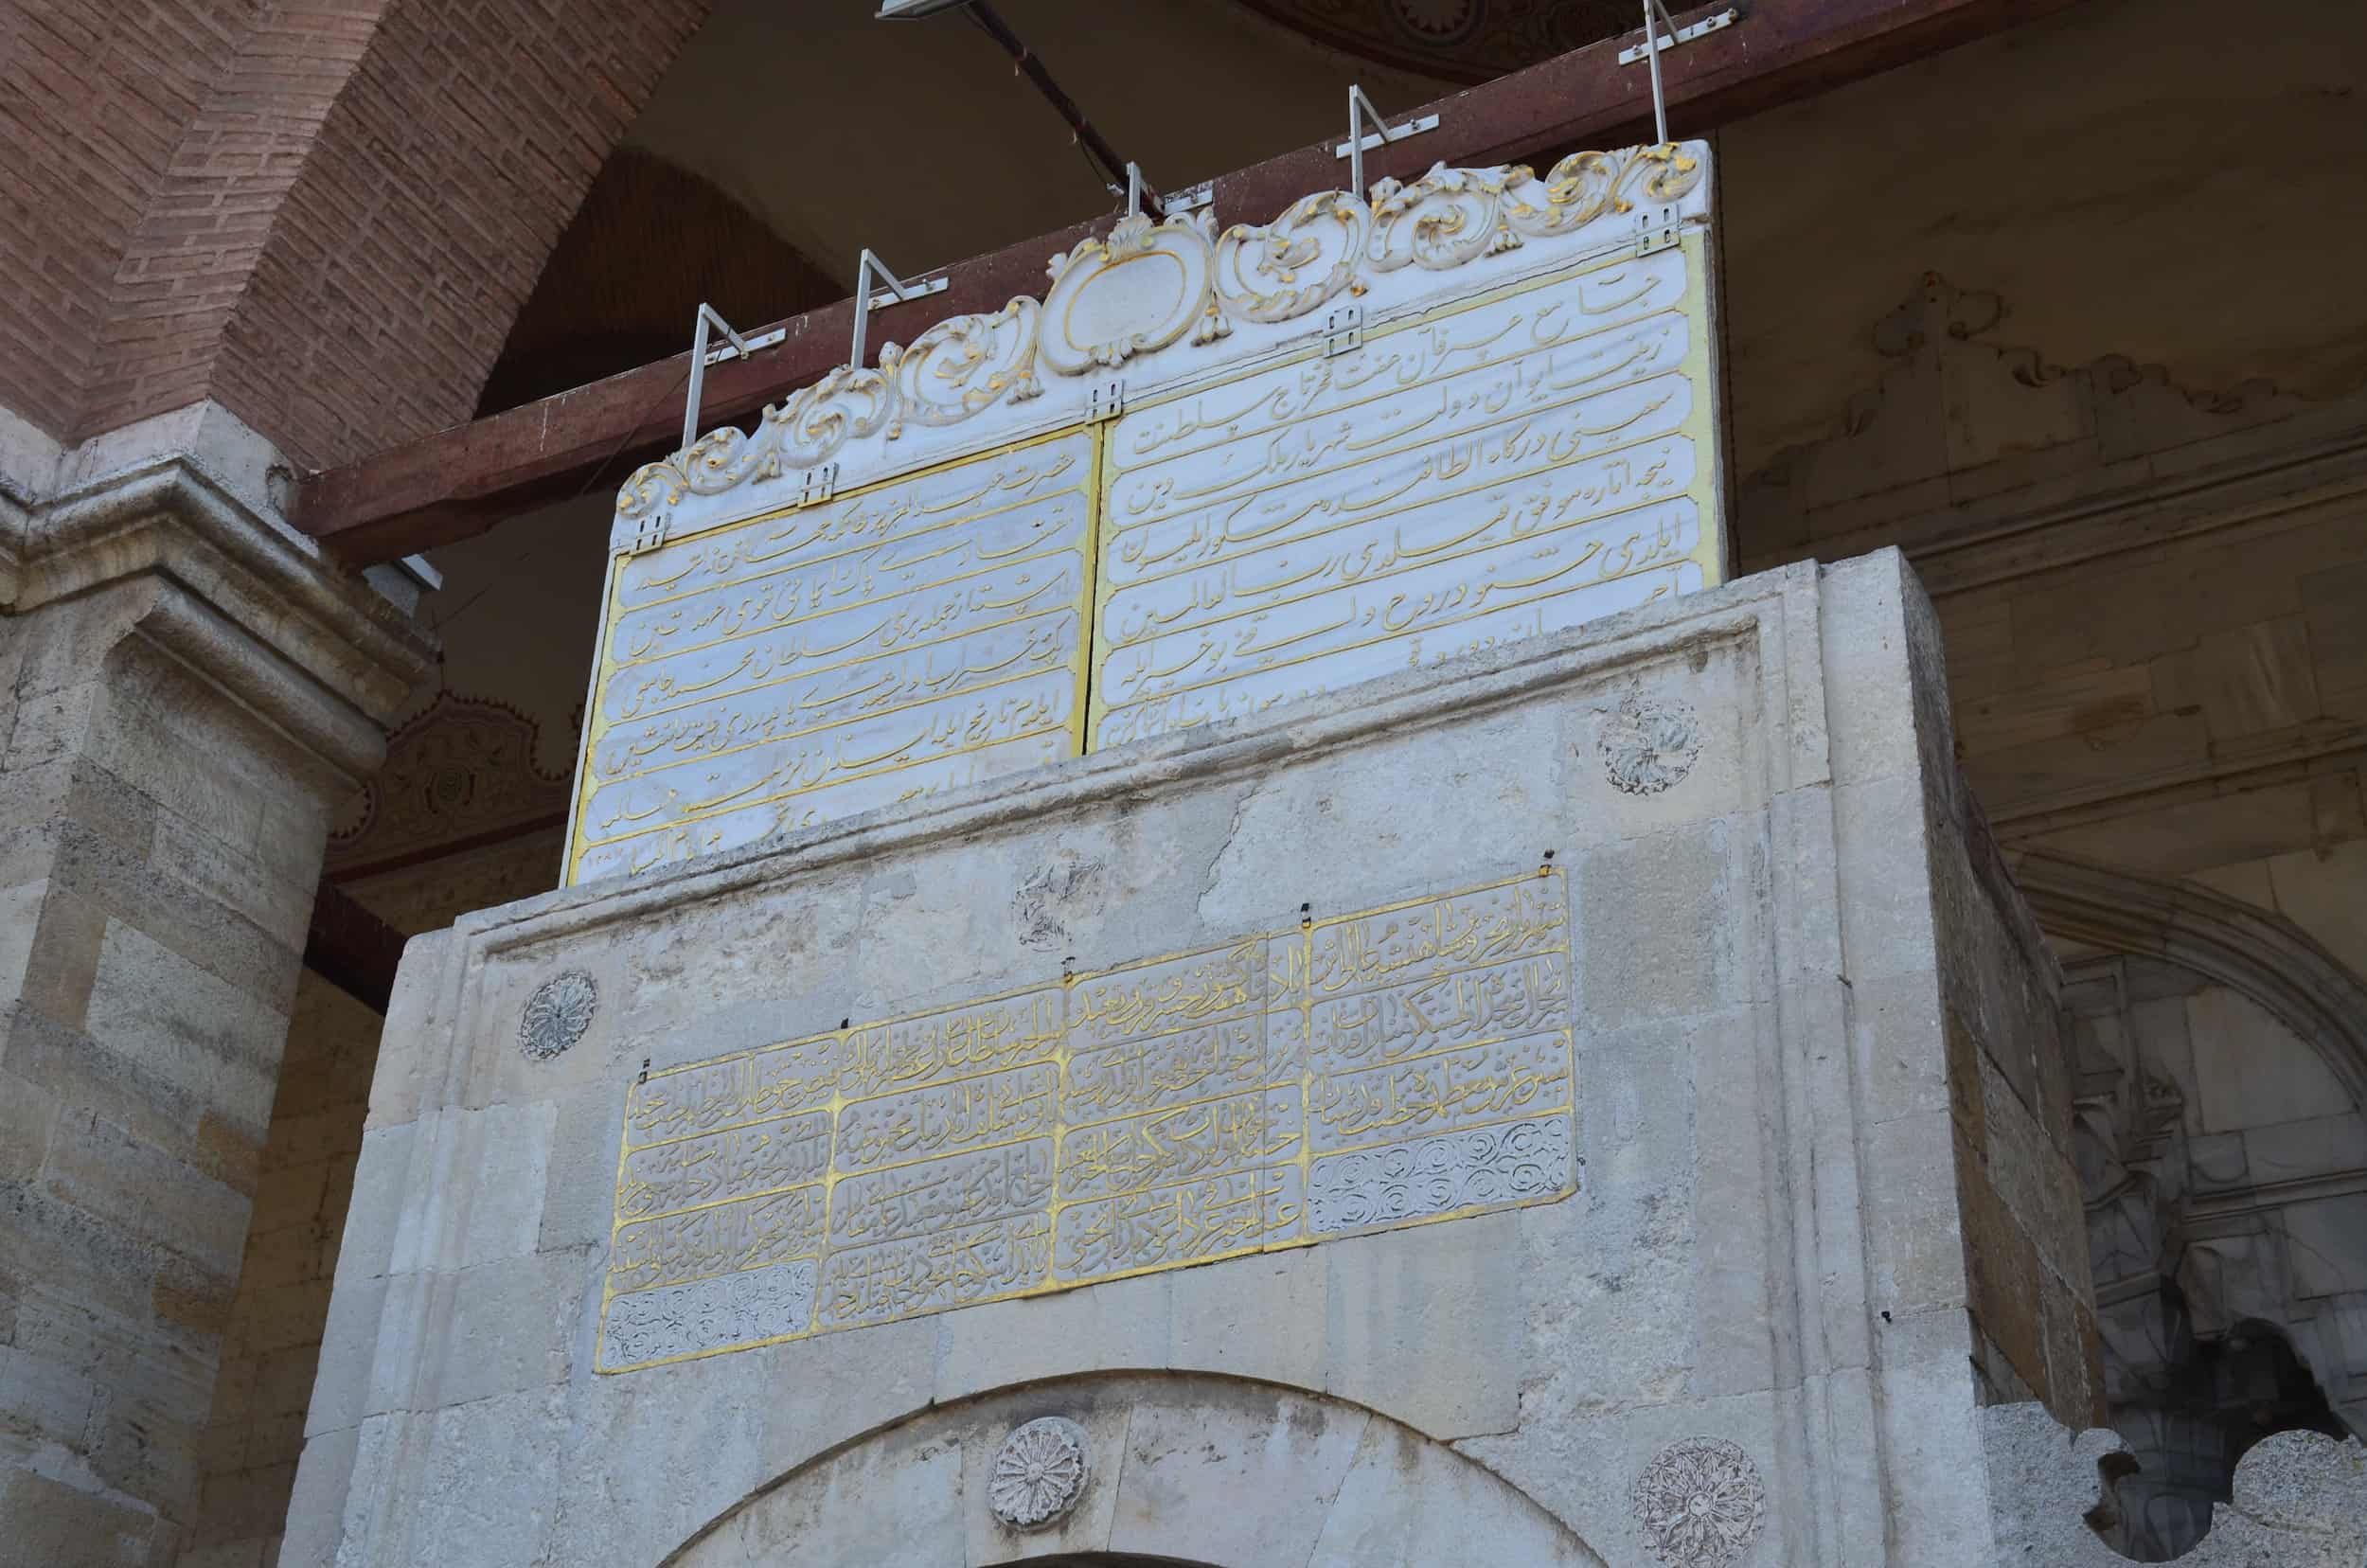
pixel 1169 1471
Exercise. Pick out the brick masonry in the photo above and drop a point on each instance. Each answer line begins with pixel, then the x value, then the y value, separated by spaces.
pixel 351 197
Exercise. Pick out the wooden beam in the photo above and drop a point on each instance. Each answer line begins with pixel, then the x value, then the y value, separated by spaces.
pixel 461 481
pixel 352 948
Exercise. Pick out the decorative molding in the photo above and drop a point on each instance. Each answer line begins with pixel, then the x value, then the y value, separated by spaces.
pixel 1701 1503
pixel 2263 955
pixel 1463 40
pixel 2300 1498
pixel 1178 284
pixel 1941 454
pixel 458 774
pixel 556 1014
pixel 1040 1474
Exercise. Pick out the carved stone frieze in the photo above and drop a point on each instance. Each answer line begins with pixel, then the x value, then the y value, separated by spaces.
pixel 1357 1073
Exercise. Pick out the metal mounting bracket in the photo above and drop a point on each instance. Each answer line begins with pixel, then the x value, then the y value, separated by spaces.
pixel 1191 198
pixel 1360 113
pixel 817 484
pixel 1657 233
pixel 1685 34
pixel 1107 400
pixel 648 534
pixel 868 271
pixel 701 356
pixel 1343 328
pixel 1656 43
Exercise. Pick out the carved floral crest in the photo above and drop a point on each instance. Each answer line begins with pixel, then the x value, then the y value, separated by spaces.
pixel 1148 286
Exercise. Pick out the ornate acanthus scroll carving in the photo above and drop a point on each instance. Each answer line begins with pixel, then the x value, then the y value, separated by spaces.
pixel 1149 286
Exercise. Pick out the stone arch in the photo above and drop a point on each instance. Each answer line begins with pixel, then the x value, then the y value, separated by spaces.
pixel 2221 1058
pixel 1182 1469
pixel 2263 955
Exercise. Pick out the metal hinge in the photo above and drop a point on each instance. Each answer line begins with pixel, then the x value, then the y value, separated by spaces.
pixel 649 534
pixel 1343 328
pixel 817 484
pixel 1107 400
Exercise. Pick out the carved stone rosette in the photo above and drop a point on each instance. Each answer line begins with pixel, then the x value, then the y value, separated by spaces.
pixel 1040 1474
pixel 1701 1503
pixel 1648 747
pixel 556 1014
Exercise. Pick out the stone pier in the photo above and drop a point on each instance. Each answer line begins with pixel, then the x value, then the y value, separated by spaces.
pixel 186 692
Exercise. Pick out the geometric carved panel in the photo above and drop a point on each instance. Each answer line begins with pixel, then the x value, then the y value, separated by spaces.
pixel 1397 1066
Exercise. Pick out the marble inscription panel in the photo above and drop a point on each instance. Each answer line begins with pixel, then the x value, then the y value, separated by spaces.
pixel 1386 1067
pixel 920 635
pixel 1499 468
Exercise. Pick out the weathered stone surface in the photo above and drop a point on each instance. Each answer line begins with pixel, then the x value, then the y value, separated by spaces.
pixel 2300 1498
pixel 855 1042
pixel 191 691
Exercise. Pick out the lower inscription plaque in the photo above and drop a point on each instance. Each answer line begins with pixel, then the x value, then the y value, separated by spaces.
pixel 1391 1067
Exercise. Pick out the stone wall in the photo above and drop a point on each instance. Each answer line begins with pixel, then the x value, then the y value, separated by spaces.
pixel 183 695
pixel 272 1349
pixel 1749 1291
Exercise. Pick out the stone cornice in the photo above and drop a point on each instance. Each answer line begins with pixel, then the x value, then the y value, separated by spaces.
pixel 169 519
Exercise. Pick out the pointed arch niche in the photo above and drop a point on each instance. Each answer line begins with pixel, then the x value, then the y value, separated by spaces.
pixel 2221 1134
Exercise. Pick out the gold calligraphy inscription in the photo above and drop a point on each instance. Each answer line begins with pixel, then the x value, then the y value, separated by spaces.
pixel 1497 468
pixel 1391 1066
pixel 913 636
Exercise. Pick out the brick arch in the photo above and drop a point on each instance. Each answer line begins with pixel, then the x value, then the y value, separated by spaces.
pixel 330 220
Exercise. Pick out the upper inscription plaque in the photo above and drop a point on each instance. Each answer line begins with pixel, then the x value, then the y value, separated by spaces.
pixel 1498 468
pixel 821 661
pixel 1392 1067
pixel 1227 468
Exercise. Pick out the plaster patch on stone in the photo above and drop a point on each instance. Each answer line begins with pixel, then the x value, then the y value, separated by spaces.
pixel 556 1014
pixel 1066 885
pixel 1648 747
pixel 1701 1503
pixel 1040 1474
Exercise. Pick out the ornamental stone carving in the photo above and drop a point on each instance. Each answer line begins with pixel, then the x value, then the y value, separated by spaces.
pixel 1149 286
pixel 1701 1504
pixel 1648 747
pixel 1040 1474
pixel 556 1014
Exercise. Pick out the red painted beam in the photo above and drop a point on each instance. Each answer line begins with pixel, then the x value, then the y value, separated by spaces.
pixel 462 481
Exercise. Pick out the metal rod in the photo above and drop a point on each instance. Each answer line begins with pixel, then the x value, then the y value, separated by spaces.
pixel 1096 145
pixel 1363 111
pixel 1651 53
pixel 871 267
pixel 705 318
